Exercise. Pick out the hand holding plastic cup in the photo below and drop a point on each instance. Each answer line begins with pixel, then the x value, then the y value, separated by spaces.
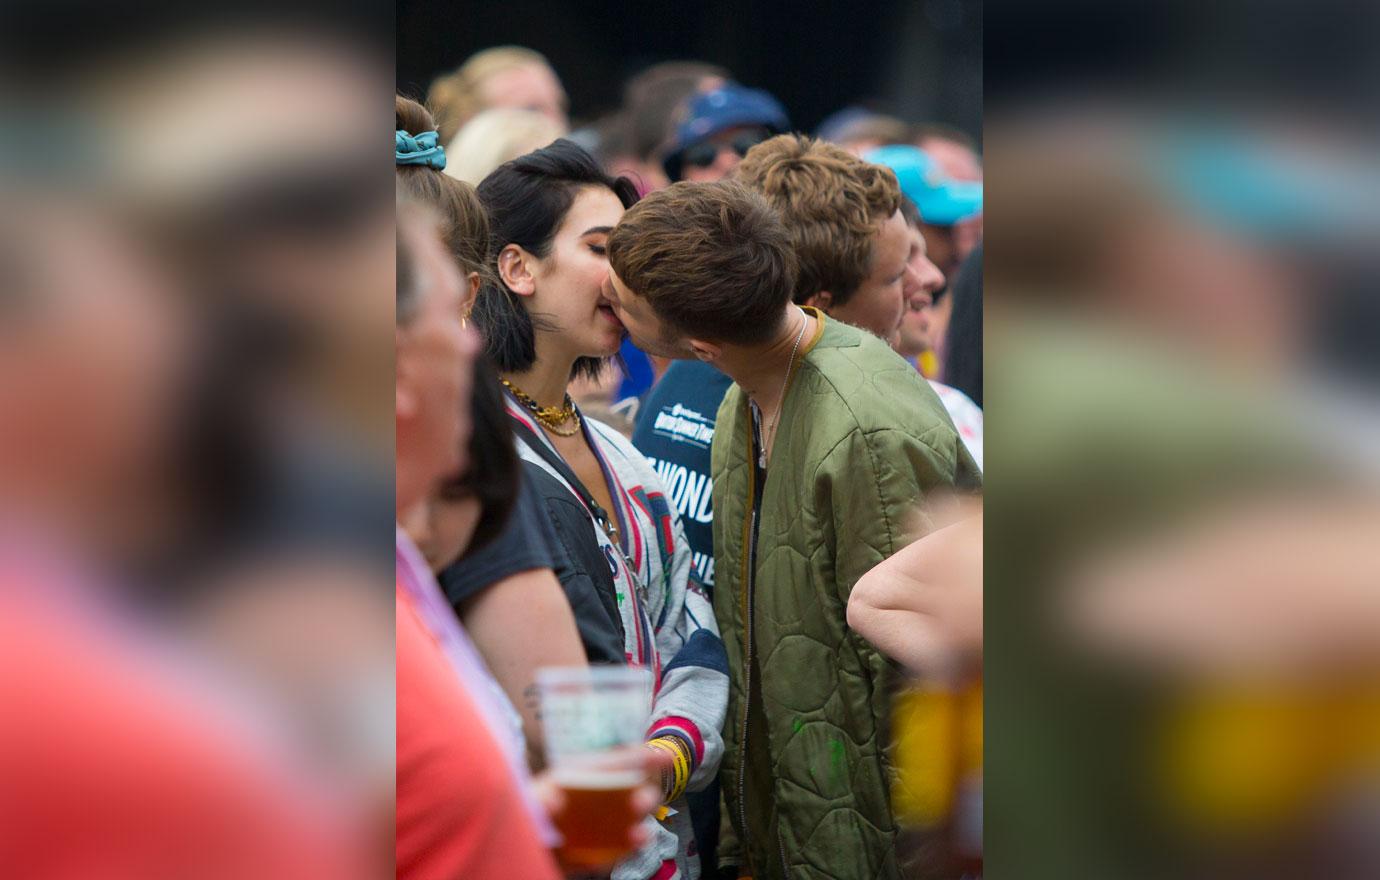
pixel 595 721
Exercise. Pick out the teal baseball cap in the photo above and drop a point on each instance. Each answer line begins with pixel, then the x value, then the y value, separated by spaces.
pixel 941 201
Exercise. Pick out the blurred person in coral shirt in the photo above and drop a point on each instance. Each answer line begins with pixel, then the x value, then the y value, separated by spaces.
pixel 124 755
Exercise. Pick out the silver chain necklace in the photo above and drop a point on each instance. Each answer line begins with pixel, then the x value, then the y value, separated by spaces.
pixel 781 397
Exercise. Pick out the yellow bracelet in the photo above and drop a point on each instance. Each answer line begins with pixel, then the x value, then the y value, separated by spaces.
pixel 667 781
pixel 675 747
pixel 664 744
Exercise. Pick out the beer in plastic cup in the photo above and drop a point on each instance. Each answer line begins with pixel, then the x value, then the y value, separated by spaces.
pixel 595 721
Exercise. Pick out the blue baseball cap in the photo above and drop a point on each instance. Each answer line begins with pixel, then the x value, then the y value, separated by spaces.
pixel 941 201
pixel 728 106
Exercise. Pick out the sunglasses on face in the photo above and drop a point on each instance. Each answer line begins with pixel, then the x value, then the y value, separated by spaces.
pixel 704 154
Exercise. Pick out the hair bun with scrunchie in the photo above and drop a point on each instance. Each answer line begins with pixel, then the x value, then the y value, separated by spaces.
pixel 419 149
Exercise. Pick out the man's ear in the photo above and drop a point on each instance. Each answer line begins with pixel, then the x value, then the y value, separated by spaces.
pixel 515 268
pixel 822 300
pixel 706 351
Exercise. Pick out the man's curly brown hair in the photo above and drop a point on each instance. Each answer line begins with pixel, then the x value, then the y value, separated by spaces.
pixel 833 204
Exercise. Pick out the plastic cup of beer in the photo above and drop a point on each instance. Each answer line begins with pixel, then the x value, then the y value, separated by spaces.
pixel 595 721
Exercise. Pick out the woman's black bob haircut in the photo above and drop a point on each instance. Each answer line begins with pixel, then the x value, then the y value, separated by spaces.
pixel 527 199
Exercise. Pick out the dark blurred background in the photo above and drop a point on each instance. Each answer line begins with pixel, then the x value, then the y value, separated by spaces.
pixel 919 60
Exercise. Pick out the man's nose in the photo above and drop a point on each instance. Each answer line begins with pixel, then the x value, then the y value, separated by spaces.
pixel 917 291
pixel 934 279
pixel 910 282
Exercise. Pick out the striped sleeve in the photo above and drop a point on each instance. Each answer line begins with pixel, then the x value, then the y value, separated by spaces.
pixel 693 699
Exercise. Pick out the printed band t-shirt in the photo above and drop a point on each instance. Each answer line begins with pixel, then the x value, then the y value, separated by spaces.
pixel 674 430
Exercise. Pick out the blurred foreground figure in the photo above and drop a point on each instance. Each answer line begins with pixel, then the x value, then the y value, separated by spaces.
pixel 1189 475
pixel 160 732
pixel 123 754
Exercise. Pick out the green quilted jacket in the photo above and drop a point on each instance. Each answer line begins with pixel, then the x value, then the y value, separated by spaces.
pixel 862 439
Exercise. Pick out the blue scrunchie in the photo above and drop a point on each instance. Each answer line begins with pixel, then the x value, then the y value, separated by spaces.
pixel 419 149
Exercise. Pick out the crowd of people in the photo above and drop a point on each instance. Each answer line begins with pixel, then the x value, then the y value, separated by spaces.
pixel 691 391
pixel 682 398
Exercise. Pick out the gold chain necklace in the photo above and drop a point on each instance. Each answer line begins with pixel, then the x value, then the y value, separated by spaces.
pixel 781 397
pixel 550 417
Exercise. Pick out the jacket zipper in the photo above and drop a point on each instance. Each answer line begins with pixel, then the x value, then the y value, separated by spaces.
pixel 742 800
pixel 747 702
pixel 751 602
pixel 755 440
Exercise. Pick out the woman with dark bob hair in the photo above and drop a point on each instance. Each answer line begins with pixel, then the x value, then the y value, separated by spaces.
pixel 546 320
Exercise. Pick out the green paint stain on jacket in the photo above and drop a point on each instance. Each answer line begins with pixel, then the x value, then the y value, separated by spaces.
pixel 836 757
